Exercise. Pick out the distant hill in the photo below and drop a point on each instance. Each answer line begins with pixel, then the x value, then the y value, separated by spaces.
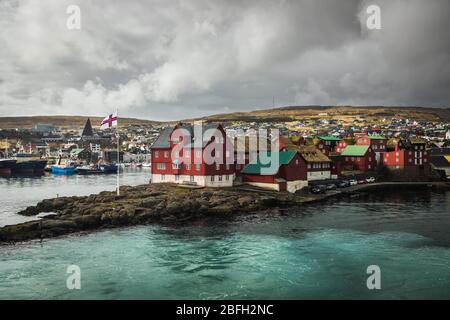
pixel 294 113
pixel 63 121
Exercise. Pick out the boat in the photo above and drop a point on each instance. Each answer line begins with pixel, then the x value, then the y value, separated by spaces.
pixel 6 166
pixel 39 166
pixel 63 169
pixel 27 163
pixel 88 170
pixel 146 165
pixel 108 168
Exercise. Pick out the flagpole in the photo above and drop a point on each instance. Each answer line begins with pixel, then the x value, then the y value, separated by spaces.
pixel 118 153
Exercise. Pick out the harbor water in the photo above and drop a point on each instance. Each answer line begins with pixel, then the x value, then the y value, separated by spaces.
pixel 320 251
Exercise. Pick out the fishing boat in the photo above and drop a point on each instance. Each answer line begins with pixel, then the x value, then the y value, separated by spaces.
pixel 6 166
pixel 63 169
pixel 88 169
pixel 108 168
pixel 27 163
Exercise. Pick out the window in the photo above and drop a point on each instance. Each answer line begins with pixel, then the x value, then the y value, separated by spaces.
pixel 161 166
pixel 368 166
pixel 227 177
pixel 187 153
pixel 296 162
pixel 163 177
pixel 188 167
pixel 166 154
pixel 191 179
pixel 220 178
pixel 198 153
pixel 156 154
pixel 176 166
pixel 309 166
pixel 217 167
pixel 227 153
pixel 177 177
pixel 212 178
pixel 227 167
pixel 197 167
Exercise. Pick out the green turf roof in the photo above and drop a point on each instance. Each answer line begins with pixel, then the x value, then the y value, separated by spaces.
pixel 376 137
pixel 330 138
pixel 354 151
pixel 284 157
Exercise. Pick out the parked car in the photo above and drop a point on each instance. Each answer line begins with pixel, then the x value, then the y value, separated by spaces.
pixel 343 184
pixel 318 189
pixel 331 186
pixel 353 182
pixel 370 180
pixel 361 181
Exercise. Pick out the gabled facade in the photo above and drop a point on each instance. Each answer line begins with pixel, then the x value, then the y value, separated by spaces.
pixel 328 144
pixel 318 165
pixel 289 175
pixel 377 143
pixel 181 159
pixel 358 157
pixel 407 154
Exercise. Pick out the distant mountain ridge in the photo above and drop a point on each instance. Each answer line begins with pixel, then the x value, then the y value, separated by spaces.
pixel 282 114
pixel 293 113
pixel 64 121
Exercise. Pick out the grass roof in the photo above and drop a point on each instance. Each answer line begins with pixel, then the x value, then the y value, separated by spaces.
pixel 355 151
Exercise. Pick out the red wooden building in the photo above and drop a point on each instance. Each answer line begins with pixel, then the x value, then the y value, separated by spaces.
pixel 407 154
pixel 358 157
pixel 289 173
pixel 377 143
pixel 179 156
pixel 328 144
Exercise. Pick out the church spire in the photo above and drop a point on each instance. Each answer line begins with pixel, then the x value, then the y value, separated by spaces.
pixel 87 131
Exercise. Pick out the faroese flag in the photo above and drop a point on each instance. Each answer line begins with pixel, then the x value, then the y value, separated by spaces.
pixel 108 122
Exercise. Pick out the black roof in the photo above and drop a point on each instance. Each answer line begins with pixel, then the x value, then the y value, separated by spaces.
pixel 439 161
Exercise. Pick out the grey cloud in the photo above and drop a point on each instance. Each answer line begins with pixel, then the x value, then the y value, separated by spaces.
pixel 177 59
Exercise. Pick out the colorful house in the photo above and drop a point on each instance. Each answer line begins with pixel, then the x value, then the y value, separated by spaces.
pixel 358 157
pixel 328 144
pixel 377 143
pixel 343 143
pixel 189 165
pixel 318 165
pixel 407 154
pixel 288 174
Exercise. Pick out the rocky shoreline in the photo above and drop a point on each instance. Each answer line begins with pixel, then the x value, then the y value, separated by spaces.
pixel 162 203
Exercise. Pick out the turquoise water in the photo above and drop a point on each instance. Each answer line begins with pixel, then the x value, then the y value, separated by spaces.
pixel 321 251
pixel 16 193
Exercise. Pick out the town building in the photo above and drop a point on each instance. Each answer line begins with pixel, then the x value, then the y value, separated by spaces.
pixel 407 154
pixel 328 144
pixel 358 158
pixel 377 143
pixel 288 173
pixel 189 166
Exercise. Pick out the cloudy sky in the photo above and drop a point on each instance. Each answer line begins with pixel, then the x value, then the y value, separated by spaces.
pixel 160 59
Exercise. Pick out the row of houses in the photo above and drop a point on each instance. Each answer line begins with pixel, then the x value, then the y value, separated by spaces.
pixel 180 158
